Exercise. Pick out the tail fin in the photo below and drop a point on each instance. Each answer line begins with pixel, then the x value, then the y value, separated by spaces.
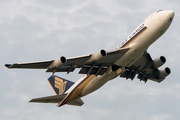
pixel 59 85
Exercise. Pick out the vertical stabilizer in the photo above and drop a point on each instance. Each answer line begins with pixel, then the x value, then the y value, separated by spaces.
pixel 59 85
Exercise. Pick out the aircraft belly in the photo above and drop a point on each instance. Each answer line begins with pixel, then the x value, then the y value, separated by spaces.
pixel 98 82
pixel 93 85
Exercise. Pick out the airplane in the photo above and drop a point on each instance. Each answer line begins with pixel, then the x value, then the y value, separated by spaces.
pixel 127 60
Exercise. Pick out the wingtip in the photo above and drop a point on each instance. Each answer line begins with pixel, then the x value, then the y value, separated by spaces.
pixel 32 100
pixel 8 65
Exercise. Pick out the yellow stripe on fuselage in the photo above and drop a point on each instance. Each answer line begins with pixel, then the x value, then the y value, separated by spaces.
pixel 77 92
pixel 135 37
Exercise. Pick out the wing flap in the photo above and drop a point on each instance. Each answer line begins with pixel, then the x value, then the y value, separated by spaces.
pixel 62 69
pixel 49 99
pixel 96 70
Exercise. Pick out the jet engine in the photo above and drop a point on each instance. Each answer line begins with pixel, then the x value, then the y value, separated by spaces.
pixel 58 63
pixel 164 72
pixel 158 62
pixel 97 56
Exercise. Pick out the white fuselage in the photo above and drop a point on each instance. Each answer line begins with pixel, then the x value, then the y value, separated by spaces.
pixel 138 42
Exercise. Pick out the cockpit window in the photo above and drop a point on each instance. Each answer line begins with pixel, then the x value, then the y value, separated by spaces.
pixel 158 11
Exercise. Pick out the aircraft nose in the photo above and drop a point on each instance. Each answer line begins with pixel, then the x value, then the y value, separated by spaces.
pixel 170 14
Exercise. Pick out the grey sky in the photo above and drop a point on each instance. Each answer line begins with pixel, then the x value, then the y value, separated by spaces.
pixel 36 30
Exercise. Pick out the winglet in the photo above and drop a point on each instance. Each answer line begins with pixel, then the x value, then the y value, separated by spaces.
pixel 8 65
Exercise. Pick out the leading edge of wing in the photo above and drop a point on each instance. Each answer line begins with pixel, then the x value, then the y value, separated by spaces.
pixel 112 56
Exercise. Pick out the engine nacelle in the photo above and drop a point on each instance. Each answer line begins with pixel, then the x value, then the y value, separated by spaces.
pixel 97 56
pixel 164 72
pixel 58 63
pixel 158 62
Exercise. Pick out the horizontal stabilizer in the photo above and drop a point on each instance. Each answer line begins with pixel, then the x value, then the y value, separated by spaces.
pixel 49 99
pixel 76 102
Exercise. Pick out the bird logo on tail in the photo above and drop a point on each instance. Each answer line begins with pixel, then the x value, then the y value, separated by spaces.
pixel 59 84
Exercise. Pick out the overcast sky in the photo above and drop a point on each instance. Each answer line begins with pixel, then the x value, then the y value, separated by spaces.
pixel 37 30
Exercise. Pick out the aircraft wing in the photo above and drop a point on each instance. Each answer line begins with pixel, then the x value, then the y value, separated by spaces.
pixel 86 63
pixel 146 68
